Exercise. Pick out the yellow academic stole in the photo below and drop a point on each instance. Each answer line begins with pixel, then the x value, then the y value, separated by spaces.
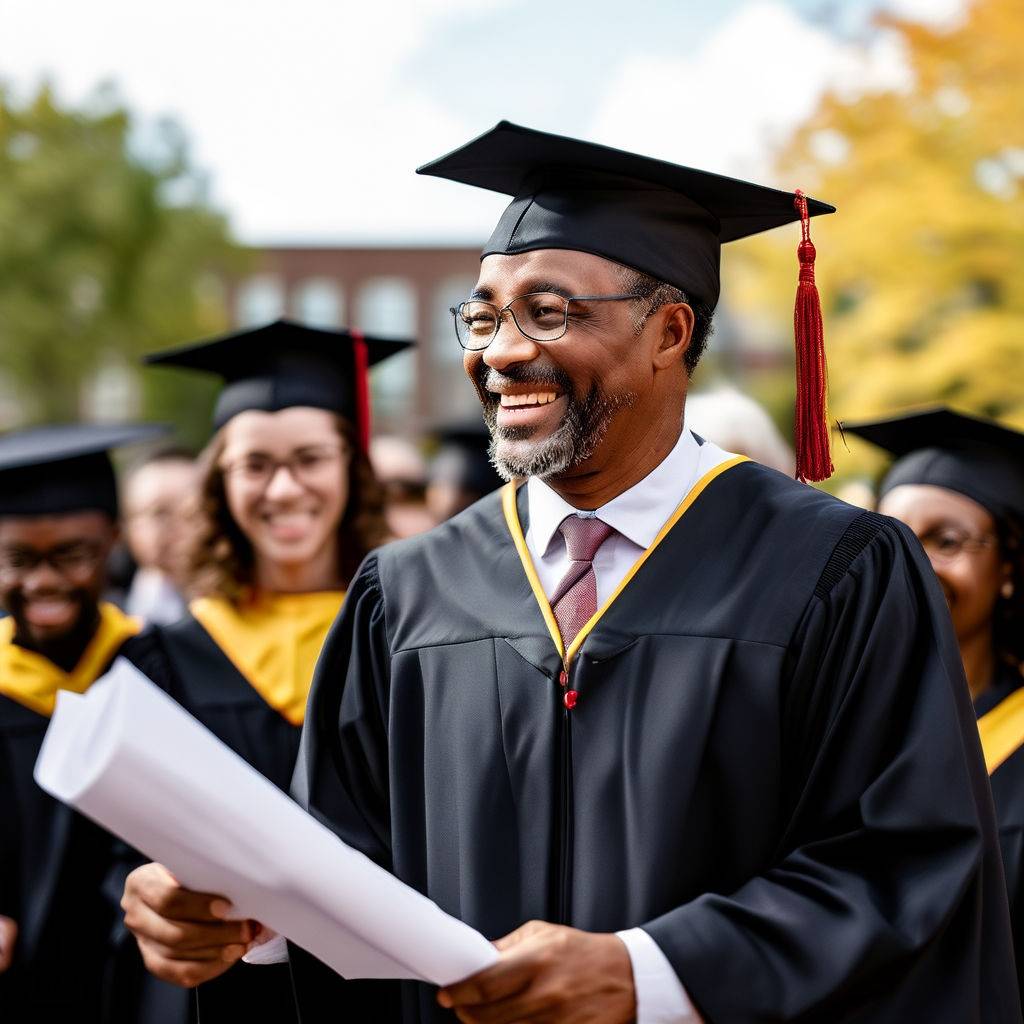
pixel 33 680
pixel 1002 730
pixel 274 640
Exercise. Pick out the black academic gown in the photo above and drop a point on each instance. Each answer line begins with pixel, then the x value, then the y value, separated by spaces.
pixel 772 765
pixel 58 880
pixel 1008 793
pixel 184 660
pixel 53 864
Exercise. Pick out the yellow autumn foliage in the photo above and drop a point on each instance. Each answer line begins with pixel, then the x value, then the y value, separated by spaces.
pixel 921 271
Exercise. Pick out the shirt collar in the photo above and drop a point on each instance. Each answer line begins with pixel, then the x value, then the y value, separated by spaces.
pixel 638 514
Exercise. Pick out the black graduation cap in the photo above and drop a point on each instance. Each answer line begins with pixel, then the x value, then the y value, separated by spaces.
pixel 64 468
pixel 974 456
pixel 660 218
pixel 463 458
pixel 283 364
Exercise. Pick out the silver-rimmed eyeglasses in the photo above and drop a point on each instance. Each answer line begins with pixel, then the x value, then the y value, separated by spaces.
pixel 539 316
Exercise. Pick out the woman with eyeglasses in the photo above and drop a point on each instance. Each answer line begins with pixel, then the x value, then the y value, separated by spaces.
pixel 958 482
pixel 287 507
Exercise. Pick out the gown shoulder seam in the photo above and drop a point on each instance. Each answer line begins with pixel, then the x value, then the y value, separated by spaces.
pixel 855 538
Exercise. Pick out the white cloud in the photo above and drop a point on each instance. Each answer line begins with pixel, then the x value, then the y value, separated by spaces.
pixel 293 107
pixel 938 13
pixel 304 116
pixel 727 106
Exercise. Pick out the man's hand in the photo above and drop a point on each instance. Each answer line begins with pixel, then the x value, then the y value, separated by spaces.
pixel 185 937
pixel 548 973
pixel 8 935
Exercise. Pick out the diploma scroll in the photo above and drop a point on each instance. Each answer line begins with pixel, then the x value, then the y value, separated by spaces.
pixel 129 757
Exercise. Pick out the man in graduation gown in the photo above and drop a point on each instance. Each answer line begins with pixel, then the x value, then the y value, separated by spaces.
pixel 689 739
pixel 58 524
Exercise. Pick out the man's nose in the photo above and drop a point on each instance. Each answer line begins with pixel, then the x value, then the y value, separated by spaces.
pixel 509 346
pixel 41 578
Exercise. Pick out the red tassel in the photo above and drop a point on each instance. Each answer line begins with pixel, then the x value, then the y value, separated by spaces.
pixel 813 461
pixel 362 388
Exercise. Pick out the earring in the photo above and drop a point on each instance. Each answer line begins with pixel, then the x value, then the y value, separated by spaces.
pixel 1007 589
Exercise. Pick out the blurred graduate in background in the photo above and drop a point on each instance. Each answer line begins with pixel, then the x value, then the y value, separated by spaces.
pixel 287 507
pixel 958 482
pixel 59 959
pixel 156 495
pixel 461 471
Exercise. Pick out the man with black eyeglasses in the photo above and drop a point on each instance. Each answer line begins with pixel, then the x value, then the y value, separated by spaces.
pixel 688 739
pixel 58 524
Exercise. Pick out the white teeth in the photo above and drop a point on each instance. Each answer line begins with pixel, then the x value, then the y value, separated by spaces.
pixel 536 398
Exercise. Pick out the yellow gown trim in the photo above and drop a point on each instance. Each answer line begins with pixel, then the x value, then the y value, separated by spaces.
pixel 508 501
pixel 33 680
pixel 274 640
pixel 1002 730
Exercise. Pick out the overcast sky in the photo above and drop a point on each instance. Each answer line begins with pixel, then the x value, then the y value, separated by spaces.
pixel 310 115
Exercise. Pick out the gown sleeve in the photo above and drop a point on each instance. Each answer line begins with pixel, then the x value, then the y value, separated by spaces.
pixel 341 778
pixel 885 880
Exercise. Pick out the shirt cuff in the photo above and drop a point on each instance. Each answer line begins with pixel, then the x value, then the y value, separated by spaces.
pixel 660 996
pixel 273 951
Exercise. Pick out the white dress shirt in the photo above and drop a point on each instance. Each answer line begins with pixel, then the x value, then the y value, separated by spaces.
pixel 637 515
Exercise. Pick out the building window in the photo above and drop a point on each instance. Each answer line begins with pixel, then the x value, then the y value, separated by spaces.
pixel 387 306
pixel 318 303
pixel 449 377
pixel 450 292
pixel 260 299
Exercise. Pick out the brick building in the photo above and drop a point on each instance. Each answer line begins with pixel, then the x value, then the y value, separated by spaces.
pixel 403 292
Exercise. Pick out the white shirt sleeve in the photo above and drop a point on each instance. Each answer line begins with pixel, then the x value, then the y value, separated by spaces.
pixel 273 950
pixel 660 996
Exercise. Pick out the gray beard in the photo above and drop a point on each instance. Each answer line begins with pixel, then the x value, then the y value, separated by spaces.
pixel 576 439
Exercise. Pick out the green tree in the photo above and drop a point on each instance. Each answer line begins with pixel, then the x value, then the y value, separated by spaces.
pixel 921 270
pixel 109 248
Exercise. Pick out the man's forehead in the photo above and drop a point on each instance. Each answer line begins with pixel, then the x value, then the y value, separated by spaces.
pixel 569 268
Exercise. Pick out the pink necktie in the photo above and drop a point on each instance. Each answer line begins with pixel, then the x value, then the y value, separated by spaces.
pixel 575 598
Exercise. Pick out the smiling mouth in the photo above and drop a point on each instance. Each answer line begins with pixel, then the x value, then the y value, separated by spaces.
pixel 289 525
pixel 533 399
pixel 49 611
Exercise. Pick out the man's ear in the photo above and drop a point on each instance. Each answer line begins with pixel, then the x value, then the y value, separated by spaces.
pixel 677 330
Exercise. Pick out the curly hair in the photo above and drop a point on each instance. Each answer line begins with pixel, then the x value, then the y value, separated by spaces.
pixel 1008 616
pixel 219 559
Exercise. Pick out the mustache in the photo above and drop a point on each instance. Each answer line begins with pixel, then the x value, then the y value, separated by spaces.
pixel 487 379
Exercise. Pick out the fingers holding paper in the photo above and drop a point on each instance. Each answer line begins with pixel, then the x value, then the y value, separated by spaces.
pixel 183 936
pixel 549 973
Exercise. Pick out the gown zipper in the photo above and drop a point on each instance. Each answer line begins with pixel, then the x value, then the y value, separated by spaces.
pixel 565 837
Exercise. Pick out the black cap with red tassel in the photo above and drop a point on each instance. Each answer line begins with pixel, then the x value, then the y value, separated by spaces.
pixel 811 434
pixel 284 364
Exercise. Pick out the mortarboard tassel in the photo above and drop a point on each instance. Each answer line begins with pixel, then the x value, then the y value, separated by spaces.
pixel 813 461
pixel 362 387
